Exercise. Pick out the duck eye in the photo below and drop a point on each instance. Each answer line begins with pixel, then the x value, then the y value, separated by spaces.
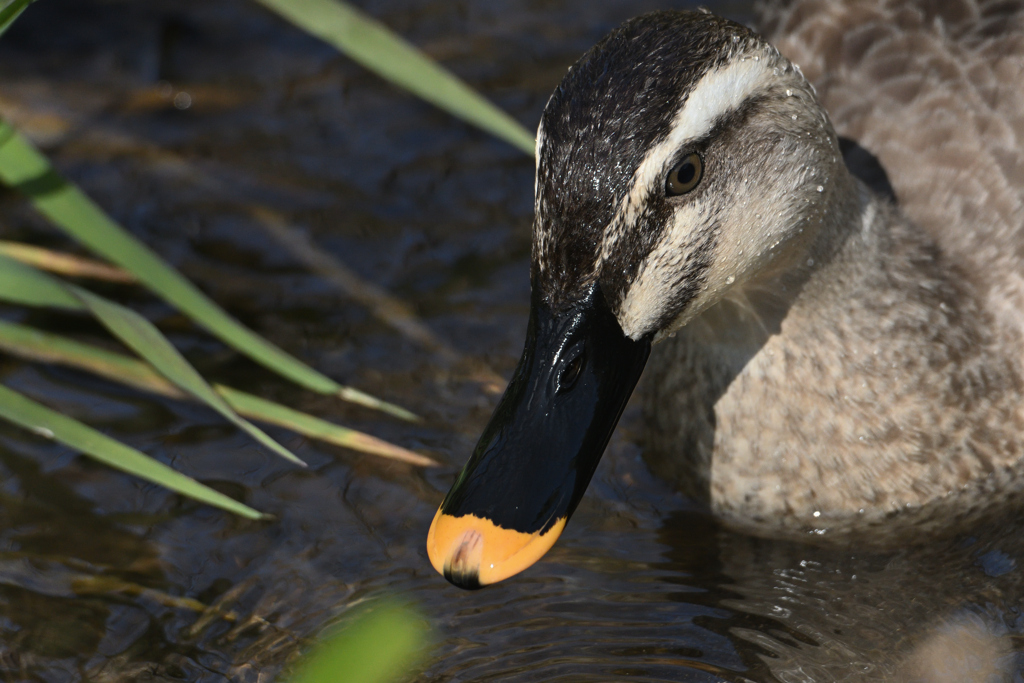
pixel 685 176
pixel 570 373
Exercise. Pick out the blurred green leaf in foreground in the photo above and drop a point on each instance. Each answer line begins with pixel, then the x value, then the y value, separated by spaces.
pixel 381 644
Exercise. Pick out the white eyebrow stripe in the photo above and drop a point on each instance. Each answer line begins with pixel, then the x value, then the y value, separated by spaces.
pixel 719 92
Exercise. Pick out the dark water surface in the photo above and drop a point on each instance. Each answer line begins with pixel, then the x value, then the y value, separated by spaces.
pixel 640 585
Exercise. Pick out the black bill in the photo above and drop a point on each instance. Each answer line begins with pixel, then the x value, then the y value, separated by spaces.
pixel 542 445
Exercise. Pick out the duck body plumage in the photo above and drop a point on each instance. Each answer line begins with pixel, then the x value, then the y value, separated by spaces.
pixel 826 360
pixel 879 396
pixel 886 396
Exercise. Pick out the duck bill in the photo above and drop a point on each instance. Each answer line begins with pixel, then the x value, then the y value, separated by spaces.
pixel 542 445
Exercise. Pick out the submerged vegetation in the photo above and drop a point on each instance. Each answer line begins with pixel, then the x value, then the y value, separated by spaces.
pixel 156 365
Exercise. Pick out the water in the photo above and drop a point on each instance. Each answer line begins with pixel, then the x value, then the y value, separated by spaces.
pixel 179 117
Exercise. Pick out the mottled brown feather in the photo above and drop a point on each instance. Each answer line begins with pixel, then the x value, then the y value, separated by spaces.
pixel 883 392
pixel 936 91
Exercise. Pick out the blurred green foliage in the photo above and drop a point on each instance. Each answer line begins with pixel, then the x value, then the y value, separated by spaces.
pixel 381 644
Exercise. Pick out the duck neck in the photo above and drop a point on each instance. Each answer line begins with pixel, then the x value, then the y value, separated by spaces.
pixel 821 237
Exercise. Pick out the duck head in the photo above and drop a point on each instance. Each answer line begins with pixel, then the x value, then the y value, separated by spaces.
pixel 680 158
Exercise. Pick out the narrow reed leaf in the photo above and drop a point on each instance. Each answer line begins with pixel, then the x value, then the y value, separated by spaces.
pixel 142 337
pixel 380 645
pixel 37 418
pixel 11 11
pixel 362 398
pixel 34 345
pixel 24 168
pixel 23 284
pixel 274 413
pixel 63 264
pixel 377 48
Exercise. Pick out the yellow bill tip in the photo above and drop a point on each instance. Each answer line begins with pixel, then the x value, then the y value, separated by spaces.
pixel 472 552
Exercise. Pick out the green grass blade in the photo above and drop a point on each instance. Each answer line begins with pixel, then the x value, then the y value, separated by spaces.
pixel 274 413
pixel 11 12
pixel 37 418
pixel 34 345
pixel 381 645
pixel 23 167
pixel 376 47
pixel 26 169
pixel 142 337
pixel 23 284
pixel 364 399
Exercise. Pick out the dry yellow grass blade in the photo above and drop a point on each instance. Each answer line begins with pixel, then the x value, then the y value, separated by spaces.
pixel 64 264
pixel 32 344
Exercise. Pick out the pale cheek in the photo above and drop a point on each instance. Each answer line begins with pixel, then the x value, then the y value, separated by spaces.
pixel 658 278
pixel 749 233
pixel 761 226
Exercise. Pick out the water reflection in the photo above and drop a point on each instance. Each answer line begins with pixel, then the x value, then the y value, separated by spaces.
pixel 931 612
pixel 55 548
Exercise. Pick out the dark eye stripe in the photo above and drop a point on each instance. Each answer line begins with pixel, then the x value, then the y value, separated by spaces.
pixel 685 176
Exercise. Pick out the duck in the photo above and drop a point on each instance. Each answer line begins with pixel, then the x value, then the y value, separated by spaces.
pixel 819 366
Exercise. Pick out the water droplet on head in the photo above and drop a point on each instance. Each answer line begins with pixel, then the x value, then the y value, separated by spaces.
pixel 735 39
pixel 817 513
pixel 820 188
pixel 731 279
pixel 810 262
pixel 789 93
pixel 793 117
